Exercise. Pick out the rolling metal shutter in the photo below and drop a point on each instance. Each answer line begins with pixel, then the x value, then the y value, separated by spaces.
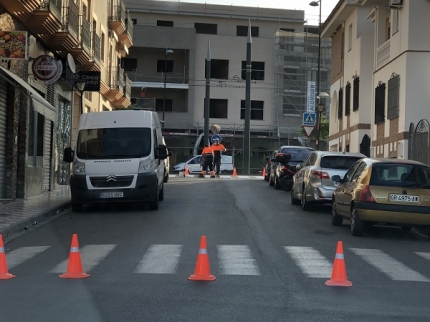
pixel 47 148
pixel 3 118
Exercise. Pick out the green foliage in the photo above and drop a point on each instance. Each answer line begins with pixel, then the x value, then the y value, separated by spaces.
pixel 323 130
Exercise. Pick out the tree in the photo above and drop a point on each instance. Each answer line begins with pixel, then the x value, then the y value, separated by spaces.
pixel 324 130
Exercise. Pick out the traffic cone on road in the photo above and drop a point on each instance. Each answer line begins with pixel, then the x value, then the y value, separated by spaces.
pixel 202 271
pixel 74 267
pixel 264 172
pixel 234 172
pixel 338 275
pixel 4 274
pixel 187 173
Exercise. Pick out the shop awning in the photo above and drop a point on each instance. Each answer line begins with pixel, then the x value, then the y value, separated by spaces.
pixel 39 104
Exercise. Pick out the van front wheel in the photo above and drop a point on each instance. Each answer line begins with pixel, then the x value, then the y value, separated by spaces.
pixel 154 205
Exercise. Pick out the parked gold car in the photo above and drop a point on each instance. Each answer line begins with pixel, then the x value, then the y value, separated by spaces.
pixel 390 191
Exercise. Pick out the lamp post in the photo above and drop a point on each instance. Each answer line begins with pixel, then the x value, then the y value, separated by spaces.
pixel 80 86
pixel 168 51
pixel 316 4
pixel 320 108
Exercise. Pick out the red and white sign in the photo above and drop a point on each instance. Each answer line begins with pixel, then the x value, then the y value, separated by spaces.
pixel 45 67
pixel 308 130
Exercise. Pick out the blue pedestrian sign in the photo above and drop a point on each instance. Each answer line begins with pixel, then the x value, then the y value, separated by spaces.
pixel 309 119
pixel 216 136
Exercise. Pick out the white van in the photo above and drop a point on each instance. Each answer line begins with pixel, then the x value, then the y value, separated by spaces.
pixel 119 156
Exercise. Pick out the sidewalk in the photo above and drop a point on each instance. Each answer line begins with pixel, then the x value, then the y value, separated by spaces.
pixel 17 215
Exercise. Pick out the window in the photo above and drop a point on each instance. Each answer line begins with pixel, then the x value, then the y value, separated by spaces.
pixel 287 29
pixel 400 175
pixel 161 63
pixel 340 104
pixel 102 54
pixel 218 108
pixel 257 110
pixel 219 69
pixel 350 37
pixel 164 23
pixel 129 64
pixel 393 97
pixel 338 162
pixel 243 31
pixel 380 103
pixel 348 175
pixel 257 70
pixel 395 23
pixel 387 29
pixel 35 138
pixel 356 94
pixel 134 21
pixel 159 105
pixel 347 98
pixel 206 28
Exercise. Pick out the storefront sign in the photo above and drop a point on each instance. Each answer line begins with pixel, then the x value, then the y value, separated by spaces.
pixel 91 79
pixel 13 45
pixel 45 67
pixel 59 73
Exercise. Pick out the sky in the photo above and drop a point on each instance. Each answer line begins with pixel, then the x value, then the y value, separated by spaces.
pixel 311 13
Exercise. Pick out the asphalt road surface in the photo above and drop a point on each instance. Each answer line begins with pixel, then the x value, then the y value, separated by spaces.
pixel 270 258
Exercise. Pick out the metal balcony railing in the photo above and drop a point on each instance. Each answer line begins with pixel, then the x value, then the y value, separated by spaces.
pixel 96 46
pixel 113 77
pixel 117 11
pixel 85 34
pixel 53 6
pixel 120 78
pixel 129 29
pixel 127 87
pixel 70 17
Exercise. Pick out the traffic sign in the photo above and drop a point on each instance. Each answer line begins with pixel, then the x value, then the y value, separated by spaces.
pixel 216 136
pixel 309 119
pixel 308 129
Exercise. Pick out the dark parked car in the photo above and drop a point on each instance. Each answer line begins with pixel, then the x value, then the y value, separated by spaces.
pixel 283 169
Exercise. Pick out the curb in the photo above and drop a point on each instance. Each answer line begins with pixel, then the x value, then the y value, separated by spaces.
pixel 14 228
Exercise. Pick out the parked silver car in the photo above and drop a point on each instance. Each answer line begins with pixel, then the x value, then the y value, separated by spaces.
pixel 312 184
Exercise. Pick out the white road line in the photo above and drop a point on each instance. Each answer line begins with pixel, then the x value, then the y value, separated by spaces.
pixel 237 260
pixel 310 261
pixel 91 256
pixel 160 259
pixel 424 255
pixel 389 266
pixel 20 255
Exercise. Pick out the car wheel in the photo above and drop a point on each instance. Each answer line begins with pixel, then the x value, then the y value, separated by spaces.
pixel 294 201
pixel 271 182
pixel 277 184
pixel 336 220
pixel 357 225
pixel 154 205
pixel 76 207
pixel 305 205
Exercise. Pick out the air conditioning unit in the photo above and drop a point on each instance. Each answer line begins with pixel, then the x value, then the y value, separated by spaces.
pixel 396 4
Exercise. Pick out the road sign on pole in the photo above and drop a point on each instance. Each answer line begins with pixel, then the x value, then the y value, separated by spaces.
pixel 309 119
pixel 308 129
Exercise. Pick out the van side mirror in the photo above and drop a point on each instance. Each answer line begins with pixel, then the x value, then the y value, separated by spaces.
pixel 298 167
pixel 161 152
pixel 68 155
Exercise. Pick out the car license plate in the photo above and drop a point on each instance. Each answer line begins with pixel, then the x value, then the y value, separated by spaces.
pixel 111 195
pixel 404 198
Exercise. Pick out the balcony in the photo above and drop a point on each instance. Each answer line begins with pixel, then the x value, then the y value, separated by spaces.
pixel 116 83
pixel 125 100
pixel 117 16
pixel 82 53
pixel 96 47
pixel 383 54
pixel 126 38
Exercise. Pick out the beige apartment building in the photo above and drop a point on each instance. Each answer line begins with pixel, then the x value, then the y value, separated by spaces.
pixel 79 45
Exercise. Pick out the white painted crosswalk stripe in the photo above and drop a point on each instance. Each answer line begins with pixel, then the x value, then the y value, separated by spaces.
pixel 22 254
pixel 424 255
pixel 389 266
pixel 160 259
pixel 310 261
pixel 91 256
pixel 237 260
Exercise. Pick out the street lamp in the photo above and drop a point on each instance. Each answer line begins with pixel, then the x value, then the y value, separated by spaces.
pixel 168 51
pixel 316 4
pixel 80 86
pixel 320 108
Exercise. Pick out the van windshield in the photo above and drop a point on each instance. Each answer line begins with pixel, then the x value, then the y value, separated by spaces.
pixel 113 143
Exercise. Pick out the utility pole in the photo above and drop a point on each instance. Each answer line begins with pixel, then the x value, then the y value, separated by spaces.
pixel 246 134
pixel 208 94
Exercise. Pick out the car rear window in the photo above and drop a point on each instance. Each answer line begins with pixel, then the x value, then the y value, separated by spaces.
pixel 297 155
pixel 400 175
pixel 340 162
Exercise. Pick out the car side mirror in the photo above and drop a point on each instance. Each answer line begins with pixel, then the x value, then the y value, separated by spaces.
pixel 68 155
pixel 170 153
pixel 337 178
pixel 298 167
pixel 161 152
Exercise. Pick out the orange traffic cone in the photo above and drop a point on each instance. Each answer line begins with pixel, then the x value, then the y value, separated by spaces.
pixel 264 172
pixel 187 173
pixel 4 274
pixel 74 267
pixel 338 275
pixel 202 271
pixel 234 172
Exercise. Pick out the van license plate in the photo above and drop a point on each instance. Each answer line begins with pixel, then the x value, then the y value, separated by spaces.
pixel 404 198
pixel 111 195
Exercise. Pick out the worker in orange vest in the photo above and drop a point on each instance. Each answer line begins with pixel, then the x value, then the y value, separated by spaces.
pixel 207 161
pixel 218 148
